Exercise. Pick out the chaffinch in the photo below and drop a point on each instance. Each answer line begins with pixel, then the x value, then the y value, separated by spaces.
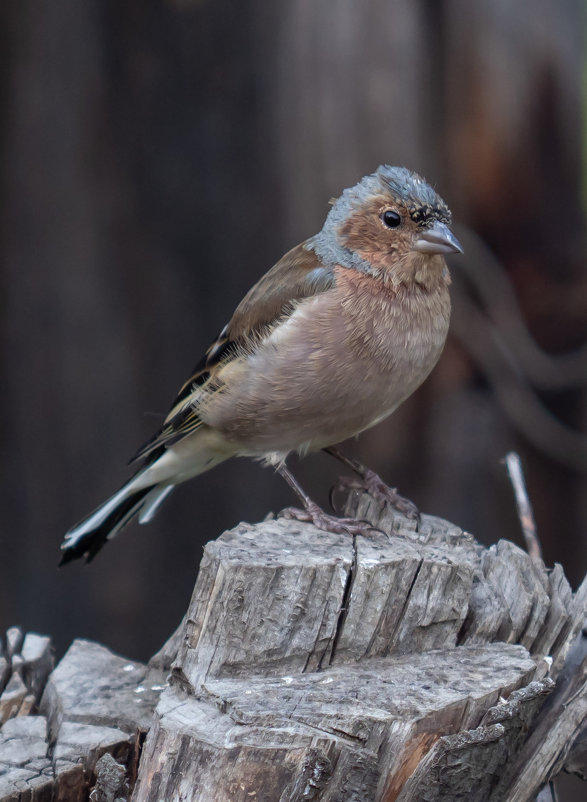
pixel 326 344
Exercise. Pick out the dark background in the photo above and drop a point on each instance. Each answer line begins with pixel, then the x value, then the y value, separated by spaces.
pixel 158 157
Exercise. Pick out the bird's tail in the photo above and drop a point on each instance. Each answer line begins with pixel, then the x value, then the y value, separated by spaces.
pixel 87 537
pixel 144 492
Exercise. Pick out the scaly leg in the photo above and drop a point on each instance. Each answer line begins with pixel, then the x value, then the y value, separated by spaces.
pixel 372 483
pixel 312 513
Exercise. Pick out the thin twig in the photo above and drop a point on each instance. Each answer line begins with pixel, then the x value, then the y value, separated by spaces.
pixel 525 513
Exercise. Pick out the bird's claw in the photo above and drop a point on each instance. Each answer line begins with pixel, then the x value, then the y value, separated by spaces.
pixel 329 523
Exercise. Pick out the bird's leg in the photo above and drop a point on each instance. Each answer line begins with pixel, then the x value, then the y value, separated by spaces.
pixel 372 483
pixel 312 513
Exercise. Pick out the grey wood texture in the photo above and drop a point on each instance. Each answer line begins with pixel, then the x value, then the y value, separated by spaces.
pixel 93 702
pixel 409 665
pixel 306 665
pixel 111 782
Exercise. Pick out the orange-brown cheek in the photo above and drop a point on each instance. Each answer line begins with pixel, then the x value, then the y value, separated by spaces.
pixel 369 240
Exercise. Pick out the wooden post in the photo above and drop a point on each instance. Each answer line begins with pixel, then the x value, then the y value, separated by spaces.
pixel 410 665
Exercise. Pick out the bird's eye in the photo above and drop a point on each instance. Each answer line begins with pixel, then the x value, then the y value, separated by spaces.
pixel 391 219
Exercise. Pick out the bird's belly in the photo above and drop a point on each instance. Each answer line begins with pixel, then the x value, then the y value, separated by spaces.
pixel 321 381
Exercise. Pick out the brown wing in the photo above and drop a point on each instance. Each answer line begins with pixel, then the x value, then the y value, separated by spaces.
pixel 299 274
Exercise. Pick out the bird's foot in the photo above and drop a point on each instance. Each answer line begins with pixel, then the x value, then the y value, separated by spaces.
pixel 329 523
pixel 373 484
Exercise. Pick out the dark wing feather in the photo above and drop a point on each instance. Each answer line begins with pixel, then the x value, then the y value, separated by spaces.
pixel 298 275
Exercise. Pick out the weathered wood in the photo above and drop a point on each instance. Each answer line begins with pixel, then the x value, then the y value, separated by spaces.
pixel 281 700
pixel 26 771
pixel 470 765
pixel 12 698
pixel 14 638
pixel 111 783
pixel 576 762
pixel 267 597
pixel 409 665
pixel 93 702
pixel 359 722
pixel 513 598
pixel 37 662
pixel 4 672
pixel 95 687
pixel 557 728
pixel 24 667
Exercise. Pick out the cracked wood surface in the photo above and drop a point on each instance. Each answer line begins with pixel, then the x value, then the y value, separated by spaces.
pixel 93 703
pixel 358 723
pixel 410 665
pixel 334 703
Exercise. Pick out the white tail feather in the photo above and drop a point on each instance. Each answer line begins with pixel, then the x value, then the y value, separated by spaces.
pixel 145 492
pixel 152 502
pixel 98 517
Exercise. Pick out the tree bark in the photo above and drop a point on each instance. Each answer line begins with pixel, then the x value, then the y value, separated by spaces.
pixel 410 665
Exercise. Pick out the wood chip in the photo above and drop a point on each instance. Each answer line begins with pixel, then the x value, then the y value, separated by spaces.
pixel 12 698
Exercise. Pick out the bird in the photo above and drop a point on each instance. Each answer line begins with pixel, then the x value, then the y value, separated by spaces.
pixel 328 343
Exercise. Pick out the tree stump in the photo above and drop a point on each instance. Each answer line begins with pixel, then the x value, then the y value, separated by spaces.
pixel 413 664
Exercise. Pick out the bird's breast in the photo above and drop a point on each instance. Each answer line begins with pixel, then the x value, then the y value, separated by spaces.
pixel 341 362
pixel 398 332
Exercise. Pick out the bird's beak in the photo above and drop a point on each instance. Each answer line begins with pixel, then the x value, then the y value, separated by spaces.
pixel 437 239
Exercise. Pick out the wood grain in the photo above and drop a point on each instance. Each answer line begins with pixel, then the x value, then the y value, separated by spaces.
pixel 410 665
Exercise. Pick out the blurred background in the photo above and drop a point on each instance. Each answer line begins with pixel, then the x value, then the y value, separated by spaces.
pixel 158 157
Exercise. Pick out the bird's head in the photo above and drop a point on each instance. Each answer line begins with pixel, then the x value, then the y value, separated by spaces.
pixel 389 224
